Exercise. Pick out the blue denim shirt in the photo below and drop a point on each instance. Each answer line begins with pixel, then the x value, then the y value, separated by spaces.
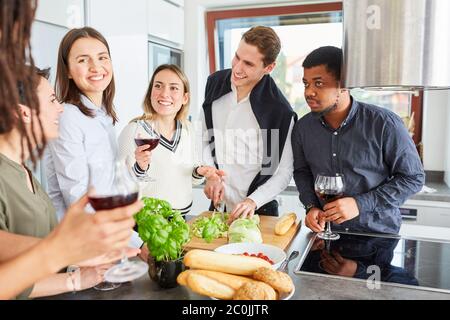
pixel 376 155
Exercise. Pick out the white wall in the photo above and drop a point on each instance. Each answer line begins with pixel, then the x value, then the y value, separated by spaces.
pixel 125 27
pixel 196 63
pixel 435 133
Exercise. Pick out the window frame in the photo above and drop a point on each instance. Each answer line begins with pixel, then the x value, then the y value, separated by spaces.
pixel 213 16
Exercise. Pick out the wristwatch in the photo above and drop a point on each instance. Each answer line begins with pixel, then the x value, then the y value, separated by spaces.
pixel 309 207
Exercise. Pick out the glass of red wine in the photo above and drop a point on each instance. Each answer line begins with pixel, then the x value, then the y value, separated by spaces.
pixel 146 133
pixel 112 186
pixel 329 189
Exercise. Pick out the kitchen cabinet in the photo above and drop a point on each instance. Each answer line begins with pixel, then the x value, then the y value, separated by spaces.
pixel 166 21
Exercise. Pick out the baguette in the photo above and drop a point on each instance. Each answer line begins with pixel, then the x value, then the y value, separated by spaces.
pixel 228 263
pixel 230 280
pixel 284 223
pixel 182 277
pixel 209 287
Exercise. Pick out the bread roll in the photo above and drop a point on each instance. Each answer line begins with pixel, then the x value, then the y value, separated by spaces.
pixel 228 263
pixel 284 223
pixel 209 287
pixel 256 290
pixel 278 280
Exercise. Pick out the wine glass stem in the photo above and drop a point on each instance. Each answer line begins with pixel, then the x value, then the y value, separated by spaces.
pixel 124 259
pixel 328 231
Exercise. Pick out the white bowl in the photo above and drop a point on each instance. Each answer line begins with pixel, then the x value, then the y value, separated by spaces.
pixel 275 254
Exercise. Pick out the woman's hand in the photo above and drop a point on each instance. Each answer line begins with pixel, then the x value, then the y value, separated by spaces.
pixel 91 276
pixel 81 236
pixel 109 257
pixel 143 157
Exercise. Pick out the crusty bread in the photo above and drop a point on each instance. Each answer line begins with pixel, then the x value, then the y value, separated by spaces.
pixel 230 280
pixel 228 263
pixel 284 223
pixel 255 290
pixel 182 277
pixel 278 280
pixel 207 286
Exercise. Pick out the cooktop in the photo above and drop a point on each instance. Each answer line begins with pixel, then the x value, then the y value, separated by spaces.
pixel 376 259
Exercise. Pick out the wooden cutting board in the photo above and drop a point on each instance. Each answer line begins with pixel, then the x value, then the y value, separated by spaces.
pixel 267 225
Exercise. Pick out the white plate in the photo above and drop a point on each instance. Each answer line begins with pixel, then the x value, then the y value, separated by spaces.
pixel 274 253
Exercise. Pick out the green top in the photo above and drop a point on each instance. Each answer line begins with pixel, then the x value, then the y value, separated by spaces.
pixel 22 211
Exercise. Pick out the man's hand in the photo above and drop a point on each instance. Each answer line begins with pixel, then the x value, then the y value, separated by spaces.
pixel 334 263
pixel 314 220
pixel 211 173
pixel 341 210
pixel 143 157
pixel 244 209
pixel 214 190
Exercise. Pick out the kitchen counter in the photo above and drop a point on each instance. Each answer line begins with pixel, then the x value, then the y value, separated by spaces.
pixel 307 287
pixel 442 192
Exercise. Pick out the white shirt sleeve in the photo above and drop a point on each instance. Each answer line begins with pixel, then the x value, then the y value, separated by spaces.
pixel 280 180
pixel 70 159
pixel 135 241
pixel 205 156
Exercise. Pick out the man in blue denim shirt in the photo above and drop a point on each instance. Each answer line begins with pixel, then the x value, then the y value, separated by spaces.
pixel 369 145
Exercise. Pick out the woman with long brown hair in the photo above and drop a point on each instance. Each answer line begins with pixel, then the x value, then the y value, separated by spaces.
pixel 175 163
pixel 25 259
pixel 85 85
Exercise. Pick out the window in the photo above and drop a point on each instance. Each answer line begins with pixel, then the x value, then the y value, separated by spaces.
pixel 301 29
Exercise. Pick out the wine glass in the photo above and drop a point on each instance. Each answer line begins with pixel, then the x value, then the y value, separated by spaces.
pixel 146 133
pixel 113 186
pixel 328 189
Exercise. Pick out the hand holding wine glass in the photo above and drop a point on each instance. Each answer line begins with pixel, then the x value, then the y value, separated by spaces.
pixel 146 137
pixel 329 189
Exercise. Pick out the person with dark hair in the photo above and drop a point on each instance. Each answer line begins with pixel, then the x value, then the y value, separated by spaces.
pixel 247 127
pixel 17 184
pixel 174 164
pixel 368 145
pixel 24 259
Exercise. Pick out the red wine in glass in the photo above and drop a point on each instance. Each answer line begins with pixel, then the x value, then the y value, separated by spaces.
pixel 111 186
pixel 112 202
pixel 329 189
pixel 153 142
pixel 328 196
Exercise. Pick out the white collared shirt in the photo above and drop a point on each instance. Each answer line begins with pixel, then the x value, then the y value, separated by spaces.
pixel 239 151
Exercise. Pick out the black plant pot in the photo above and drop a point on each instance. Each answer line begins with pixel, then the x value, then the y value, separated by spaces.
pixel 165 273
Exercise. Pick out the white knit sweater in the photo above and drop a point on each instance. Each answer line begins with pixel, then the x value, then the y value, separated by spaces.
pixel 172 165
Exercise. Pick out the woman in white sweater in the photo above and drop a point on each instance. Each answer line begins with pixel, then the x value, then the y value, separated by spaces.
pixel 174 164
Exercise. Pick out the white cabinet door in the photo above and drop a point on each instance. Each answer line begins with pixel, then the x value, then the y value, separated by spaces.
pixel 166 21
